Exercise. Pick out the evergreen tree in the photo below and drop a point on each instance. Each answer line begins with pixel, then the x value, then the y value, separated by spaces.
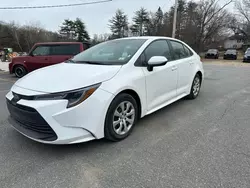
pixel 159 21
pixel 155 23
pixel 119 25
pixel 74 30
pixel 141 20
pixel 80 30
pixel 68 29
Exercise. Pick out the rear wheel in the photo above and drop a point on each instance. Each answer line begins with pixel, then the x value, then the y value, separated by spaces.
pixel 195 89
pixel 121 117
pixel 20 71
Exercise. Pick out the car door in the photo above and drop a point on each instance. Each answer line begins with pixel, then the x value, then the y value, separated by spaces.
pixel 62 52
pixel 39 57
pixel 161 83
pixel 184 60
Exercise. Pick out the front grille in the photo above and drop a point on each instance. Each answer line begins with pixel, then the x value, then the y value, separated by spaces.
pixel 210 55
pixel 30 122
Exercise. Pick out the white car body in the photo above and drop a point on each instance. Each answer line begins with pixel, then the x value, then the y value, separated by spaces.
pixel 84 122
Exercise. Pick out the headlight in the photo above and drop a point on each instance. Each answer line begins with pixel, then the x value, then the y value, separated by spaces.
pixel 74 97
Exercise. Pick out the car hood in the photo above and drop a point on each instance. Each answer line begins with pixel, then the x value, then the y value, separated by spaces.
pixel 19 58
pixel 66 77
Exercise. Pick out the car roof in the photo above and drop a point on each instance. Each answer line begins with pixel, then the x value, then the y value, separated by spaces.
pixel 50 43
pixel 148 38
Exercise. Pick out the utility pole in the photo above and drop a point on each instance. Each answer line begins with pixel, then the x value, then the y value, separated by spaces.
pixel 175 16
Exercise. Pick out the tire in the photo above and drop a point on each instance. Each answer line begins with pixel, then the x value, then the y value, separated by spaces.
pixel 114 128
pixel 20 71
pixel 195 89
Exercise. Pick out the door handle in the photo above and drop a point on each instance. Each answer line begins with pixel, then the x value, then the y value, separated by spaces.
pixel 191 63
pixel 174 68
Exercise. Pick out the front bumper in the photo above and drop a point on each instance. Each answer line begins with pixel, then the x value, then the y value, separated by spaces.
pixel 230 57
pixel 210 56
pixel 51 122
pixel 246 59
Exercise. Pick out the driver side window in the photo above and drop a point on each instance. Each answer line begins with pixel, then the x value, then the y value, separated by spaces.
pixel 158 48
pixel 41 51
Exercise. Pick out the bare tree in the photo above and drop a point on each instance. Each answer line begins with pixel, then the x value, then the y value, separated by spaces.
pixel 212 18
pixel 242 24
pixel 16 34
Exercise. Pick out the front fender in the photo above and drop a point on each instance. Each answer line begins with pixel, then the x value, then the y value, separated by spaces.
pixel 11 67
pixel 134 81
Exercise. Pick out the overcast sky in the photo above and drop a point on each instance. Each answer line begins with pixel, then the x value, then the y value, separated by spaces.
pixel 95 16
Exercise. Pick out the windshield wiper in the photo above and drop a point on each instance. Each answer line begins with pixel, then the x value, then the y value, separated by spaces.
pixel 90 62
pixel 70 61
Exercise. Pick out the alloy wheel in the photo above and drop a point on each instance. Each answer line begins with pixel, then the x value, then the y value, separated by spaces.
pixel 196 86
pixel 124 117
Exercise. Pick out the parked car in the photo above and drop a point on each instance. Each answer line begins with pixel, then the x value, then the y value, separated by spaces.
pixel 231 54
pixel 103 91
pixel 247 56
pixel 45 54
pixel 212 53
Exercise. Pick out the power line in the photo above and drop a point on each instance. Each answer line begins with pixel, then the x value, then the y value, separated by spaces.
pixel 55 6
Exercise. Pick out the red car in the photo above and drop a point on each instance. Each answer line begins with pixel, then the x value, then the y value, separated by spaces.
pixel 45 54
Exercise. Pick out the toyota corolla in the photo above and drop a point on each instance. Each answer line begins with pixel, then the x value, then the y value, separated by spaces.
pixel 103 91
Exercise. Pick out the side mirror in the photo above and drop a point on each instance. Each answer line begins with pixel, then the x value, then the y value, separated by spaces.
pixel 156 61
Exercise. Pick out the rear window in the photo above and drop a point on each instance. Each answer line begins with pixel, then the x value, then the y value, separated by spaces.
pixel 65 49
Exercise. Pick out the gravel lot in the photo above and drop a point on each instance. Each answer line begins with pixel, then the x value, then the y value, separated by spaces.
pixel 200 143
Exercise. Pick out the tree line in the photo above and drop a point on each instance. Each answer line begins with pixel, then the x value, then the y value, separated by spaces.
pixel 200 24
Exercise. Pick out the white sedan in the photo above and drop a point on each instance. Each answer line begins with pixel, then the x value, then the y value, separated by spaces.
pixel 103 91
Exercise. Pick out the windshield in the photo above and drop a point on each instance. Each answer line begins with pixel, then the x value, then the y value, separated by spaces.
pixel 248 51
pixel 212 51
pixel 230 51
pixel 115 52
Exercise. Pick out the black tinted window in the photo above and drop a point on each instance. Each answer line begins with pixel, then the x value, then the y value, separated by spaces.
pixel 69 49
pixel 158 48
pixel 178 50
pixel 187 51
pixel 86 46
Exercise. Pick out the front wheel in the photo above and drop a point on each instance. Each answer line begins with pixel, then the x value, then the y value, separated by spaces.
pixel 195 89
pixel 20 71
pixel 121 117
